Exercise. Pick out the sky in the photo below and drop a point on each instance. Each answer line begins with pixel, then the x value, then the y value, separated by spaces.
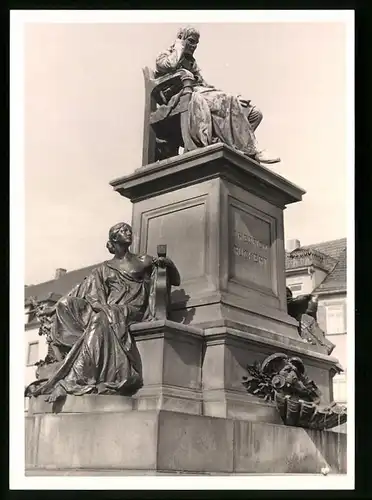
pixel 83 114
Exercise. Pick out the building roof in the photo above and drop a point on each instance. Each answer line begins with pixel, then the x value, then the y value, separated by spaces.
pixel 335 280
pixel 333 248
pixel 59 286
pixel 305 257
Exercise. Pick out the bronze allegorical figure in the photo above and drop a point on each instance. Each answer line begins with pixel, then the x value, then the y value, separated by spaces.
pixel 90 325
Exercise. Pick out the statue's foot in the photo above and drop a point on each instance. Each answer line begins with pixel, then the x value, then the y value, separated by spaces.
pixel 58 393
pixel 263 157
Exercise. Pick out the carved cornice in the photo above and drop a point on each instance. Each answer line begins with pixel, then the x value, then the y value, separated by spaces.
pixel 216 160
pixel 304 258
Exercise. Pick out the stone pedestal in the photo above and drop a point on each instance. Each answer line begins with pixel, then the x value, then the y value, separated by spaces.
pixel 172 425
pixel 221 216
pixel 124 442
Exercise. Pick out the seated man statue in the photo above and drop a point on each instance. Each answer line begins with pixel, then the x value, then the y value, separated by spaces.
pixel 215 116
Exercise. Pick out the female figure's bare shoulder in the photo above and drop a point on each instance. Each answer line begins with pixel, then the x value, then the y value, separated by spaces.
pixel 146 259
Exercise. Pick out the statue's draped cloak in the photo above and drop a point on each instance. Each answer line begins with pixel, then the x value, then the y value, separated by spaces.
pixel 102 356
pixel 212 113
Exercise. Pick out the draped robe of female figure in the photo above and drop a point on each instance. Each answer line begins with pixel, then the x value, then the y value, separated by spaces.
pixel 101 354
pixel 212 113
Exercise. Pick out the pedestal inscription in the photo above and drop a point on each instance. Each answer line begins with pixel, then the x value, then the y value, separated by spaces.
pixel 250 248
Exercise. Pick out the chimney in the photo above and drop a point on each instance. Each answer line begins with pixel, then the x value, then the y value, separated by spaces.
pixel 59 273
pixel 292 245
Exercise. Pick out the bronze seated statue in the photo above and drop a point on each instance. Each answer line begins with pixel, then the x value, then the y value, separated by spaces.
pixel 91 349
pixel 183 111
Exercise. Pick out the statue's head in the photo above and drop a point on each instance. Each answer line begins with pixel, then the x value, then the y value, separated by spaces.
pixel 293 367
pixel 191 37
pixel 119 235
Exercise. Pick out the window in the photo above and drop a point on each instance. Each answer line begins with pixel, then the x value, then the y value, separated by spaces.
pixel 30 313
pixel 296 287
pixel 335 319
pixel 32 353
pixel 27 316
pixel 340 389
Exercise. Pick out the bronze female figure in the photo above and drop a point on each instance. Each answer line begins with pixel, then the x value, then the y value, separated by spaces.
pixel 90 327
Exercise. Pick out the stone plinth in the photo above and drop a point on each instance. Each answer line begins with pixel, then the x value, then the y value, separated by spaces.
pixel 200 372
pixel 164 442
pixel 171 356
pixel 195 371
pixel 78 404
pixel 221 216
pixel 228 352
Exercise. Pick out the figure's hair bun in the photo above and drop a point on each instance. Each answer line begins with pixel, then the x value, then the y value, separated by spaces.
pixel 110 246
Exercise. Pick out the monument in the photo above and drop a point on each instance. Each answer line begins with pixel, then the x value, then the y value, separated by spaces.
pixel 193 361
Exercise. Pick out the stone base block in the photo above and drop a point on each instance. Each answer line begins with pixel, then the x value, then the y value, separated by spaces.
pixel 164 442
pixel 171 356
pixel 234 404
pixel 80 404
pixel 170 398
pixel 188 370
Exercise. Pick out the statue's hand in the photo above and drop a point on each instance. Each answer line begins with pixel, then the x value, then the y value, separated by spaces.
pixel 163 262
pixel 244 102
pixel 179 43
pixel 179 47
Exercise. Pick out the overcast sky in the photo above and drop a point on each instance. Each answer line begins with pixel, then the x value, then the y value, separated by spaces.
pixel 84 98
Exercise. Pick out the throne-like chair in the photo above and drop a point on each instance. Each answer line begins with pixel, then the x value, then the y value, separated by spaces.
pixel 166 115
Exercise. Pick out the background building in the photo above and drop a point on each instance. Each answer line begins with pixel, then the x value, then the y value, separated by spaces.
pixel 318 268
pixel 321 269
